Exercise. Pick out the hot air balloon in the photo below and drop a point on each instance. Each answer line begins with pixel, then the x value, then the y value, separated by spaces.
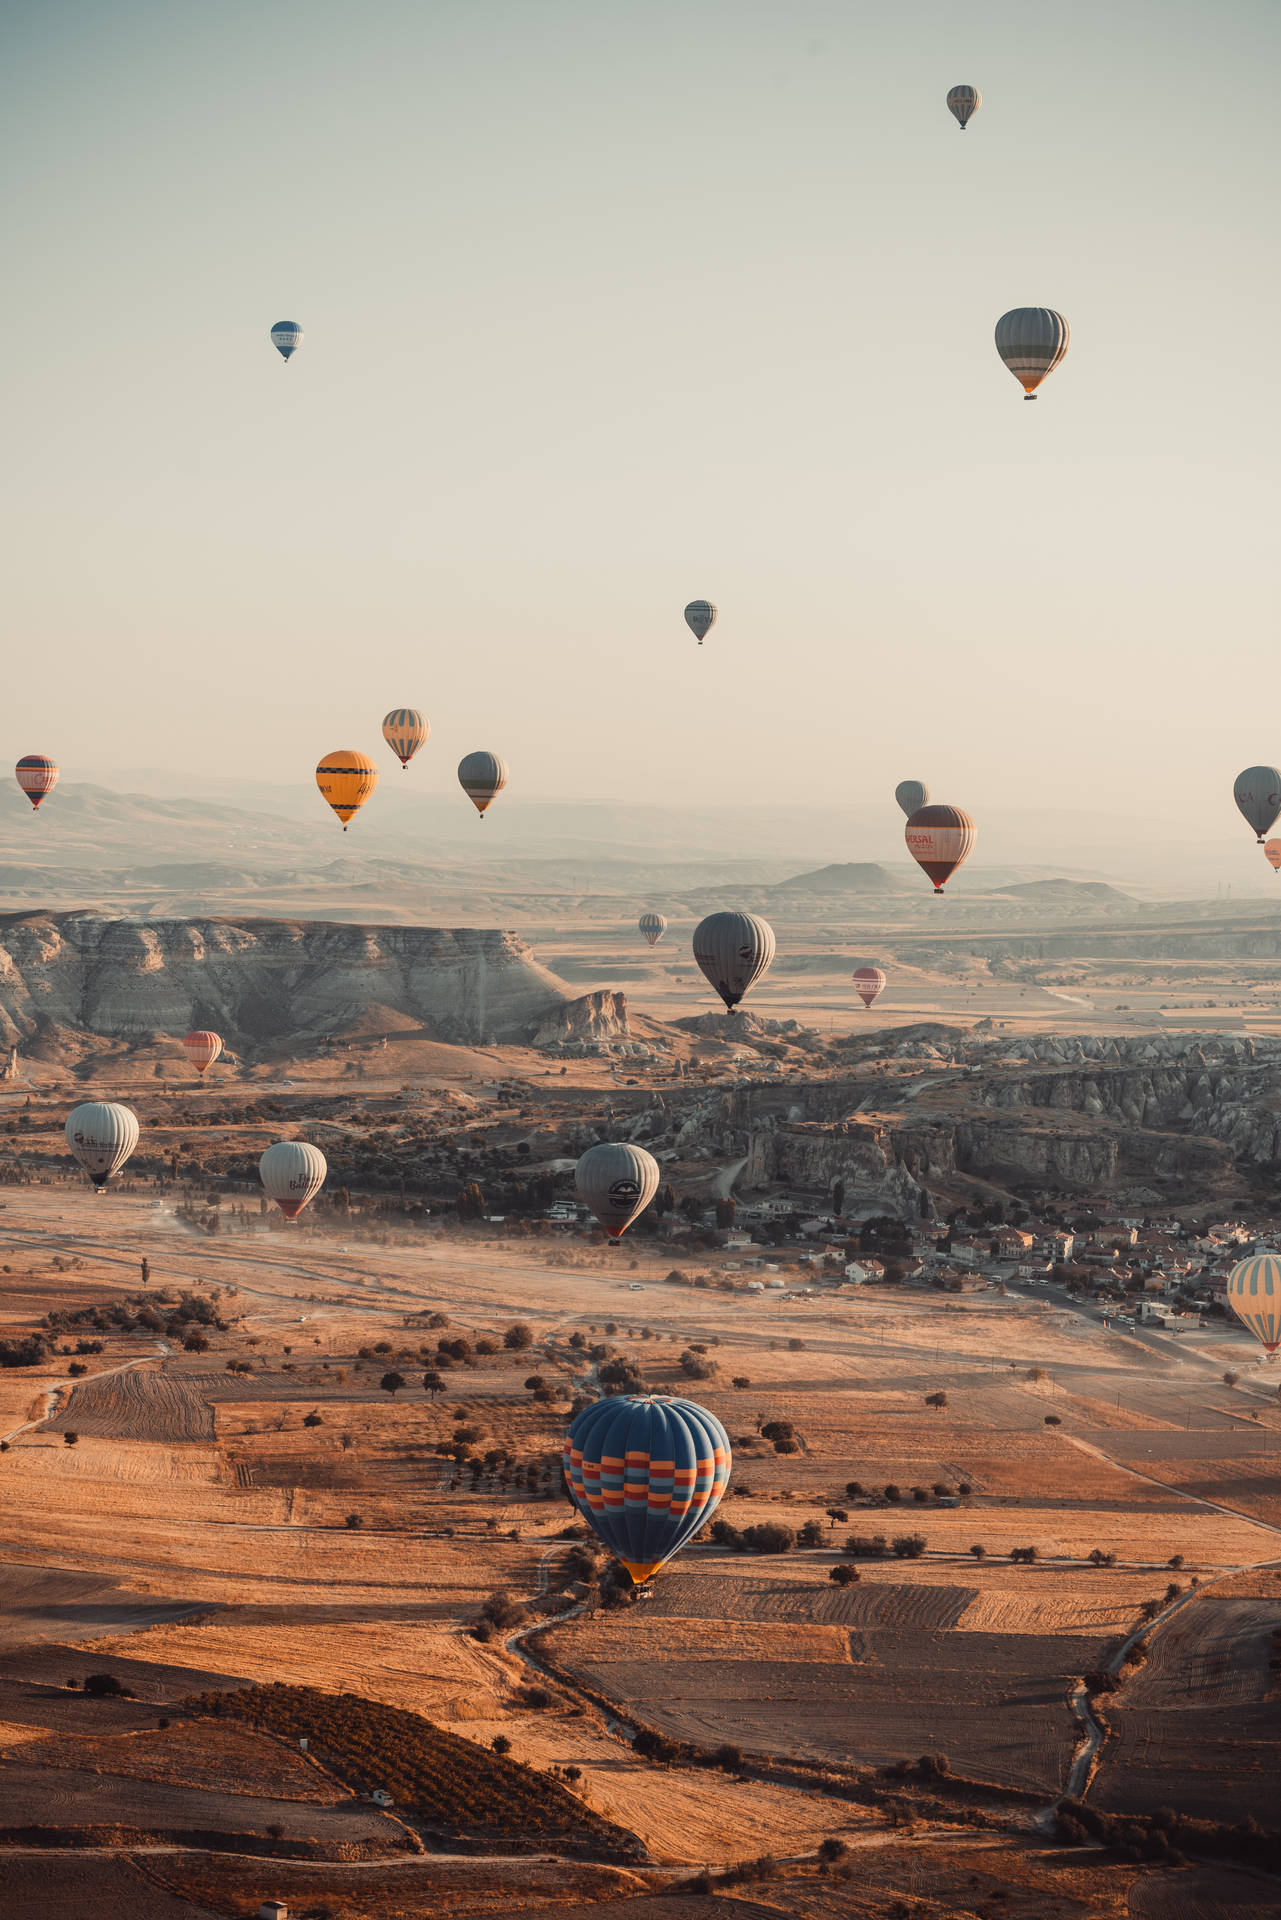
pixel 653 926
pixel 202 1048
pixel 1032 341
pixel 963 103
pixel 37 775
pixel 405 730
pixel 646 1472
pixel 102 1134
pixel 617 1182
pixel 1257 793
pixel 482 776
pixel 912 795
pixel 869 984
pixel 285 336
pixel 346 779
pixel 733 950
pixel 1254 1295
pixel 700 618
pixel 292 1173
pixel 1272 854
pixel 939 840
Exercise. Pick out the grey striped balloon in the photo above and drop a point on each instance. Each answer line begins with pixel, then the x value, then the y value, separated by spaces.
pixel 733 950
pixel 1032 341
pixel 617 1181
pixel 700 618
pixel 963 103
pixel 481 776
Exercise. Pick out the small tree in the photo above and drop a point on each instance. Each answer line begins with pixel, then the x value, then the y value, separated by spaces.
pixel 501 1745
pixel 432 1383
pixel 1230 1378
pixel 392 1383
pixel 893 1494
pixel 1052 1420
pixel 909 1546
pixel 845 1576
pixel 312 1419
pixel 1175 1562
pixel 740 1381
pixel 1099 1558
pixel 936 1400
pixel 353 1522
pixel 518 1337
pixel 836 1514
pixel 71 1439
pixel 979 1552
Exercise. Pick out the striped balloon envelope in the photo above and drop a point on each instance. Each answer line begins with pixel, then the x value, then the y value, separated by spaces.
pixel 202 1048
pixel 405 730
pixel 963 103
pixel 1032 341
pixel 646 1472
pixel 700 618
pixel 1254 1295
pixel 869 984
pixel 653 926
pixel 37 775
pixel 482 776
pixel 939 839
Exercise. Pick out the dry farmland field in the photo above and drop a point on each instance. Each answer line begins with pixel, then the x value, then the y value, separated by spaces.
pixel 194 1516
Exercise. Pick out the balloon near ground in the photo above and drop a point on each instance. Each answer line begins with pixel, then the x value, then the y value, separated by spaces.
pixel 912 795
pixel 37 775
pixel 1032 341
pixel 653 926
pixel 1257 793
pixel 963 103
pixel 292 1173
pixel 733 950
pixel 405 730
pixel 346 779
pixel 285 336
pixel 700 618
pixel 869 984
pixel 202 1048
pixel 101 1135
pixel 482 776
pixel 617 1182
pixel 646 1472
pixel 1272 854
pixel 939 839
pixel 1254 1295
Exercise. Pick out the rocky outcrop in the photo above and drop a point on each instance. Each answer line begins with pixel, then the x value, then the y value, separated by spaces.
pixel 590 1020
pixel 265 982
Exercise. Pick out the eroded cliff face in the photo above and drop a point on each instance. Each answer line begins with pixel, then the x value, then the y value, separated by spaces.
pixel 263 981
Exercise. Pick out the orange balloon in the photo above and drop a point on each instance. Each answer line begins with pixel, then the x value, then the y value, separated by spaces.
pixel 202 1048
pixel 346 779
pixel 1272 854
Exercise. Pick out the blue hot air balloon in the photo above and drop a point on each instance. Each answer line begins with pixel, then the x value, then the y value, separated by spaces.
pixel 285 336
pixel 645 1472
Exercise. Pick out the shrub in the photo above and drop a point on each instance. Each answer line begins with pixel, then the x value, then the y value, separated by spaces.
pixel 518 1337
pixel 854 1489
pixel 920 1493
pixel 1023 1556
pixel 979 1552
pixel 1052 1420
pixel 936 1400
pixel 105 1686
pixel 312 1419
pixel 76 1368
pixel 1230 1378
pixel 536 1697
pixel 778 1430
pixel 1099 1558
pixel 71 1439
pixel 353 1521
pixel 795 1346
pixel 503 1610
pixel 811 1534
pixel 893 1494
pixel 787 1446
pixel 740 1380
pixel 845 1576
pixel 862 1546
pixel 501 1744
pixel 909 1546
pixel 768 1537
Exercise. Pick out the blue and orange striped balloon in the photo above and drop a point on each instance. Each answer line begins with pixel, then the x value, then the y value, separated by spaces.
pixel 1254 1295
pixel 653 926
pixel 405 730
pixel 646 1472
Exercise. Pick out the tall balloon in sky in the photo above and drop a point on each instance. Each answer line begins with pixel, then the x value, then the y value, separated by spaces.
pixel 700 618
pixel 646 1472
pixel 1257 793
pixel 285 336
pixel 346 779
pixel 653 926
pixel 963 103
pixel 1272 854
pixel 102 1134
pixel 733 950
pixel 617 1181
pixel 482 776
pixel 869 984
pixel 37 775
pixel 292 1173
pixel 1032 341
pixel 911 795
pixel 405 730
pixel 202 1048
pixel 1254 1295
pixel 939 839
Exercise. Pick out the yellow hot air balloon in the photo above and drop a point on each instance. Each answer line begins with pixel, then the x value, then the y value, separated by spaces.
pixel 346 779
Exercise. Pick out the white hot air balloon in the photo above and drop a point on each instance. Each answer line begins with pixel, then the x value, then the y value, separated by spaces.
pixel 292 1173
pixel 285 336
pixel 102 1134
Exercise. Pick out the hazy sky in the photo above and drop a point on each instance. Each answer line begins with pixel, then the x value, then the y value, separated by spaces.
pixel 612 305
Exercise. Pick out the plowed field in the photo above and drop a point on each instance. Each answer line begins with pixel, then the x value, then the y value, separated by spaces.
pixel 139 1405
